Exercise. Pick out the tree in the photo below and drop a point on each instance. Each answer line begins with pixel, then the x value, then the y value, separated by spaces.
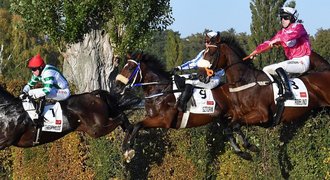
pixel 173 49
pixel 265 24
pixel 4 4
pixel 192 45
pixel 156 45
pixel 321 43
pixel 129 22
pixel 17 46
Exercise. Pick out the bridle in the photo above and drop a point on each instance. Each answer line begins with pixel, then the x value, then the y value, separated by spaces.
pixel 131 81
pixel 136 73
pixel 213 61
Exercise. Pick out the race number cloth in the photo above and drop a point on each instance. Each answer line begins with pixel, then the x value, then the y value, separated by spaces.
pixel 299 91
pixel 201 102
pixel 53 118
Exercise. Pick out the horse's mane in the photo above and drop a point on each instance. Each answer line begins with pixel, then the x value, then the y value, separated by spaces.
pixel 154 64
pixel 4 94
pixel 233 43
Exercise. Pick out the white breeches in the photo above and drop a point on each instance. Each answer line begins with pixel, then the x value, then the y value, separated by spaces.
pixel 59 94
pixel 295 65
pixel 56 94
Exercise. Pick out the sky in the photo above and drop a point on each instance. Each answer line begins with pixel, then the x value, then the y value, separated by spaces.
pixel 194 16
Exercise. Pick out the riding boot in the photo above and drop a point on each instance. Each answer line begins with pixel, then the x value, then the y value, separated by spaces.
pixel 285 81
pixel 39 110
pixel 185 96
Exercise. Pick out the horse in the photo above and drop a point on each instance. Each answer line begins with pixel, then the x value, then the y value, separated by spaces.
pixel 160 104
pixel 251 91
pixel 96 113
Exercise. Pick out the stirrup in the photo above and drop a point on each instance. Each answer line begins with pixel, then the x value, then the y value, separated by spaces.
pixel 288 95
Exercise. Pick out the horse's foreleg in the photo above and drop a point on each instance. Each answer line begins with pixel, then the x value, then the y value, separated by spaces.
pixel 124 123
pixel 229 134
pixel 246 143
pixel 129 142
pixel 233 143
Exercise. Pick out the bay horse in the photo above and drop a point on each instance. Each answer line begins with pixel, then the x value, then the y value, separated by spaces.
pixel 252 103
pixel 160 104
pixel 96 113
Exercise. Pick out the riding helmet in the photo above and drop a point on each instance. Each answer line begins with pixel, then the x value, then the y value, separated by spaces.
pixel 36 62
pixel 288 11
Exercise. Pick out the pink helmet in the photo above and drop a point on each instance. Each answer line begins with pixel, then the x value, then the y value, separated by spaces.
pixel 36 62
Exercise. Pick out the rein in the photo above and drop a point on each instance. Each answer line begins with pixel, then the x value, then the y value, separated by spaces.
pixel 150 83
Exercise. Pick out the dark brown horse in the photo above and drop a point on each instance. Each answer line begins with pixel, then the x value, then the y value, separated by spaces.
pixel 96 113
pixel 252 103
pixel 161 112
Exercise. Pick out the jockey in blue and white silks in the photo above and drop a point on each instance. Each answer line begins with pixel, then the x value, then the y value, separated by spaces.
pixel 193 64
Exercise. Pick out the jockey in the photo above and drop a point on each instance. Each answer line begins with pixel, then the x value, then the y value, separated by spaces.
pixel 189 84
pixel 55 86
pixel 295 41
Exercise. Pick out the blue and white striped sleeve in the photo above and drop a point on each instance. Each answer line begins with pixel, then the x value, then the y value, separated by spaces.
pixel 192 64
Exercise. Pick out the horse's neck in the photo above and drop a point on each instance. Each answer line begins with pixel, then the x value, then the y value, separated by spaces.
pixel 153 77
pixel 6 97
pixel 237 71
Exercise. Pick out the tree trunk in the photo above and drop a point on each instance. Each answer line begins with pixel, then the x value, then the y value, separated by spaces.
pixel 90 64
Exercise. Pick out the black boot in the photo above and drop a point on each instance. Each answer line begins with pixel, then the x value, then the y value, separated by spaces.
pixel 39 110
pixel 185 96
pixel 285 81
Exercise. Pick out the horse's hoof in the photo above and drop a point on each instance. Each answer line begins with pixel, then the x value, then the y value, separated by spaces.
pixel 252 148
pixel 128 155
pixel 244 155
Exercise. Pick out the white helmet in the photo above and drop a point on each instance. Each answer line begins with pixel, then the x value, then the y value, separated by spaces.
pixel 211 34
pixel 288 11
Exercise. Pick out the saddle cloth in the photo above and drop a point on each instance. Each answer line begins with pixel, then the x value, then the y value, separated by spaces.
pixel 52 115
pixel 299 91
pixel 201 102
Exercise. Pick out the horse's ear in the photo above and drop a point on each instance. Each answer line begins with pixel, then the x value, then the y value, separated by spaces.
pixel 139 56
pixel 128 56
pixel 218 38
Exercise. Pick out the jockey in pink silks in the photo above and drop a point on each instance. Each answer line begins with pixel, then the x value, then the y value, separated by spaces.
pixel 295 41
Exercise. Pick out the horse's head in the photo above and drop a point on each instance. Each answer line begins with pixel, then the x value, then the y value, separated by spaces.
pixel 141 69
pixel 210 59
pixel 220 53
pixel 130 74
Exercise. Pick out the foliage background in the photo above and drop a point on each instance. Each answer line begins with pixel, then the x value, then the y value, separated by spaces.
pixel 296 151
